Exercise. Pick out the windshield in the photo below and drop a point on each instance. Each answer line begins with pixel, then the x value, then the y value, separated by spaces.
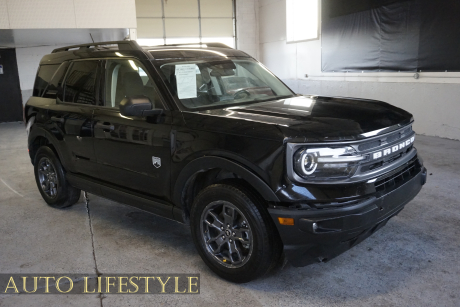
pixel 205 84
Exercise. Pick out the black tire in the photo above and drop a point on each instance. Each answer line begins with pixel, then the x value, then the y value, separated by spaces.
pixel 51 181
pixel 253 259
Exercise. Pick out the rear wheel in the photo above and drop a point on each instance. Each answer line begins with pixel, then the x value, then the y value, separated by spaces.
pixel 234 233
pixel 51 181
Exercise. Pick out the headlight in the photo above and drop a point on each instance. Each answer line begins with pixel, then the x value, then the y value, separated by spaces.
pixel 320 164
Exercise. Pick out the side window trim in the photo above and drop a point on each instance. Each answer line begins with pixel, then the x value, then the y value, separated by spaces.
pixel 61 99
pixel 114 84
pixel 100 79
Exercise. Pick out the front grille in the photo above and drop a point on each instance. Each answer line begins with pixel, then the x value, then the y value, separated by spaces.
pixel 389 160
pixel 384 140
pixel 369 145
pixel 397 177
pixel 381 144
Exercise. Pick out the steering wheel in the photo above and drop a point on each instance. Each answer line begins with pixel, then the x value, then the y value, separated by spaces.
pixel 205 91
pixel 241 94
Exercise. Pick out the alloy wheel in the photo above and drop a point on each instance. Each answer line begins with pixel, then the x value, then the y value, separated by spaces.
pixel 226 234
pixel 47 177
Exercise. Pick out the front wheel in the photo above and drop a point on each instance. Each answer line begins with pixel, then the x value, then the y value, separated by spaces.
pixel 51 181
pixel 234 233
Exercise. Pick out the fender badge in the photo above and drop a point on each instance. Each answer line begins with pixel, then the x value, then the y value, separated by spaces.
pixel 156 162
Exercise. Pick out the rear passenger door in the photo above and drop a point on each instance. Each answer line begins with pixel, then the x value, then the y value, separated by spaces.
pixel 76 97
pixel 132 152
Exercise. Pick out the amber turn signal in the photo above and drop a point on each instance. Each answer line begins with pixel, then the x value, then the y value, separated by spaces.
pixel 286 221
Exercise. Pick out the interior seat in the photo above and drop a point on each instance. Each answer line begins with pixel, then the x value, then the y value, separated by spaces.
pixel 133 86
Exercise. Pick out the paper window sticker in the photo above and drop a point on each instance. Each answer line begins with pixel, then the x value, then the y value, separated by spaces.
pixel 186 81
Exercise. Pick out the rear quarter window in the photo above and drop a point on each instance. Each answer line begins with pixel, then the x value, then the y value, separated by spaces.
pixel 45 72
pixel 54 88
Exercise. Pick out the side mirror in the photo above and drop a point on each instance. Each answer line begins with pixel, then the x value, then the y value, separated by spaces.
pixel 138 106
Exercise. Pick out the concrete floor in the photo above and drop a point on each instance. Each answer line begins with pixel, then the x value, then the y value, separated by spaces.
pixel 412 261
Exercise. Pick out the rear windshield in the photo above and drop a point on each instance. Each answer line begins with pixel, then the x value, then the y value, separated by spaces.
pixel 45 72
pixel 215 83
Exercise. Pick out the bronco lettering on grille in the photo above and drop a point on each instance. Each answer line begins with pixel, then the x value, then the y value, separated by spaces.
pixel 393 149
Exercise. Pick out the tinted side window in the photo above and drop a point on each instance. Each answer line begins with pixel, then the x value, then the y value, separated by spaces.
pixel 55 86
pixel 128 78
pixel 45 72
pixel 80 83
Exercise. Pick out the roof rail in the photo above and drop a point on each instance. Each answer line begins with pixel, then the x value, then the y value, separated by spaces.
pixel 122 45
pixel 215 45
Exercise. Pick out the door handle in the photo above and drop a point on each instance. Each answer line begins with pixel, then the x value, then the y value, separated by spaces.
pixel 57 119
pixel 105 127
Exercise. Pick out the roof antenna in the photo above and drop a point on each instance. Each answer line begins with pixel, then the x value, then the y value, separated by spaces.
pixel 91 38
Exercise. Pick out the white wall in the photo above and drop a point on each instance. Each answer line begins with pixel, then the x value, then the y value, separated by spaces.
pixel 25 24
pixel 434 98
pixel 63 14
pixel 29 52
pixel 247 29
pixel 4 19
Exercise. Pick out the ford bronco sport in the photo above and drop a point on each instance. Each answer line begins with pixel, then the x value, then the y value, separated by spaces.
pixel 207 136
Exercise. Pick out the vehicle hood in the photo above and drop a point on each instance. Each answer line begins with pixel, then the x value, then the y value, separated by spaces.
pixel 303 119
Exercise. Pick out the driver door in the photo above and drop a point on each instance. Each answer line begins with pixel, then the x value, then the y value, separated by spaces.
pixel 133 153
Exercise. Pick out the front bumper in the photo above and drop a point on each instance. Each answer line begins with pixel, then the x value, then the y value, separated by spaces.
pixel 322 234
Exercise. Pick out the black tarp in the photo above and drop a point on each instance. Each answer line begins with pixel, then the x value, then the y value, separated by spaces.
pixel 390 35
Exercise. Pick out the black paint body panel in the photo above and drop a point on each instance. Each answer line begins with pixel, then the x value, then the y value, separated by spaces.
pixel 340 229
pixel 112 155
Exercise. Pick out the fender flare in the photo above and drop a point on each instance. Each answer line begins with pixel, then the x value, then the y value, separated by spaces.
pixel 209 162
pixel 37 131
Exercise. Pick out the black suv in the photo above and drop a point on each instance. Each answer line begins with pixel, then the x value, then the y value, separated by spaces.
pixel 206 135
